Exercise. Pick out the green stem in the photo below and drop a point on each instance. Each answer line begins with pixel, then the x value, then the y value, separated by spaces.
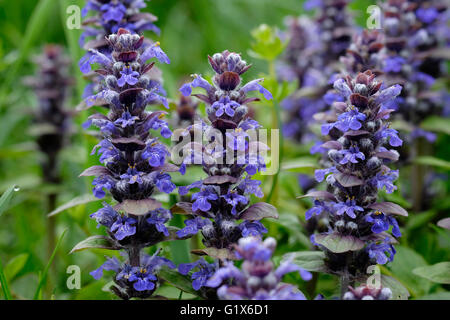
pixel 276 124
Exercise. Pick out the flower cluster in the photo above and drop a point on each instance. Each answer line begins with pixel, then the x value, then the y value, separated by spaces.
pixel 108 16
pixel 365 293
pixel 52 120
pixel 232 155
pixel 415 35
pixel 134 162
pixel 136 281
pixel 257 279
pixel 359 151
pixel 311 57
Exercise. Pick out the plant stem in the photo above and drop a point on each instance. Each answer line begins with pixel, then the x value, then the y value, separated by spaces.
pixel 345 281
pixel 418 176
pixel 276 124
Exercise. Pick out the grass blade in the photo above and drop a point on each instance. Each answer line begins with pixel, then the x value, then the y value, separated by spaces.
pixel 4 284
pixel 4 199
pixel 43 277
pixel 33 32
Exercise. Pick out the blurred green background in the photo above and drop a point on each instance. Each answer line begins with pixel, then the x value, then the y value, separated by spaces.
pixel 190 30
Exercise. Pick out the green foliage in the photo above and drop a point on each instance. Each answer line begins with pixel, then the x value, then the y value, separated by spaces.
pixel 267 45
pixel 439 272
pixel 190 31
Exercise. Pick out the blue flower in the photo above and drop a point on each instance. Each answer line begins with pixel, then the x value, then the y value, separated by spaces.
pixel 105 216
pixel 158 218
pixel 200 277
pixel 381 252
pixel 392 135
pixel 126 120
pixel 155 51
pixel 385 179
pixel 351 154
pixel 128 76
pixel 320 174
pixel 394 64
pixel 133 176
pixel 143 279
pixel 252 228
pixel 113 12
pixel 349 207
pixel 100 183
pixel 233 199
pixel 202 199
pixel 382 222
pixel 427 15
pixel 193 226
pixel 198 82
pixel 225 105
pixel 249 186
pixel 317 209
pixel 388 94
pixel 342 87
pixel 108 153
pixel 110 264
pixel 123 227
pixel 163 183
pixel 156 154
pixel 255 86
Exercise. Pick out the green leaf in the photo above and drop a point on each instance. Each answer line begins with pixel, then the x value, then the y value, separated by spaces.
pixel 98 242
pixel 439 272
pixel 399 292
pixel 222 254
pixel 5 198
pixel 432 161
pixel 436 296
pixel 405 261
pixel 338 243
pixel 303 164
pixel 15 265
pixel 267 44
pixel 182 282
pixel 437 124
pixel 35 25
pixel 83 199
pixel 4 283
pixel 308 260
pixel 43 276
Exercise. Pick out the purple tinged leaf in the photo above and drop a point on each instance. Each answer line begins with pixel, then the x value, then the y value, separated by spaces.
pixel 319 195
pixel 388 208
pixel 388 155
pixel 259 211
pixel 219 179
pixel 338 243
pixel 182 208
pixel 138 207
pixel 332 145
pixel 444 223
pixel 348 180
pixel 221 254
pixel 95 171
pixel 355 133
pixel 97 242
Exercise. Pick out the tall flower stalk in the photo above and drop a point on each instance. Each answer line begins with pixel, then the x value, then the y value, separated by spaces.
pixel 134 163
pixel 311 58
pixel 105 17
pixel 52 119
pixel 257 279
pixel 416 42
pixel 229 156
pixel 359 153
